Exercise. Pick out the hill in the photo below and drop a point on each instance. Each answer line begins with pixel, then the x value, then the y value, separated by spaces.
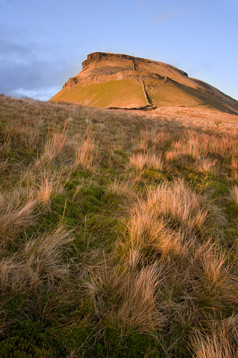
pixel 118 232
pixel 122 81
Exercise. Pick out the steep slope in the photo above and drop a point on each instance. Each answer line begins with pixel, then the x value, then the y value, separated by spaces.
pixel 123 81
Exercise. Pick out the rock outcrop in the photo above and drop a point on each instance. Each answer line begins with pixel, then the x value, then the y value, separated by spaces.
pixel 110 80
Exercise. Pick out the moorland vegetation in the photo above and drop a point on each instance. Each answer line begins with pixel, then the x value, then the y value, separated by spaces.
pixel 118 233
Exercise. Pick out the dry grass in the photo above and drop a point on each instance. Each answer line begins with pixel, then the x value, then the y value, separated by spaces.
pixel 172 155
pixel 45 190
pixel 55 142
pixel 43 184
pixel 178 203
pixel 152 139
pixel 127 298
pixel 16 215
pixel 22 132
pixel 207 165
pixel 234 194
pixel 213 346
pixel 169 274
pixel 38 264
pixel 234 167
pixel 141 160
pixel 164 227
pixel 191 146
pixel 216 279
pixel 87 153
pixel 122 189
pixel 199 145
pixel 138 305
pixel 145 232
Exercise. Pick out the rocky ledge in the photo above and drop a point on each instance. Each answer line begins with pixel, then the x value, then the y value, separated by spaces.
pixel 101 56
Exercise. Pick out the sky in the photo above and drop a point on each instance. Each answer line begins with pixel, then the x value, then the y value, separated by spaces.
pixel 43 42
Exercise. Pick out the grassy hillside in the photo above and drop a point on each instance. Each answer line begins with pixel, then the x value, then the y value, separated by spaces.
pixel 108 94
pixel 119 233
pixel 169 93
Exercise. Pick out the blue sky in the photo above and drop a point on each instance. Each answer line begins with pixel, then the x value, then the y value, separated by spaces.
pixel 43 42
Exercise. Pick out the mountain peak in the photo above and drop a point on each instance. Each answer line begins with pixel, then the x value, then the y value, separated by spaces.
pixel 110 80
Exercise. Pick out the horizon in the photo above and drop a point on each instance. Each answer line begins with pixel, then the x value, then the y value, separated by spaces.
pixel 43 44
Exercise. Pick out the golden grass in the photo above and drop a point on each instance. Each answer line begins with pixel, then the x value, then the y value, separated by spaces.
pixel 55 142
pixel 213 268
pixel 138 305
pixel 169 265
pixel 164 227
pixel 45 190
pixel 152 139
pixel 207 165
pixel 145 232
pixel 234 167
pixel 141 160
pixel 128 299
pixel 213 346
pixel 23 132
pixel 234 194
pixel 38 264
pixel 178 203
pixel 15 216
pixel 87 153
pixel 42 184
pixel 190 147
pixel 122 189
pixel 172 155
pixel 199 145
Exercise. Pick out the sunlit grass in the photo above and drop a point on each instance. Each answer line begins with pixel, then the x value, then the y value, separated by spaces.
pixel 118 233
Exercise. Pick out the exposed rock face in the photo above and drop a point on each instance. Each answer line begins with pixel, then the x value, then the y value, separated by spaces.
pixel 121 81
pixel 99 56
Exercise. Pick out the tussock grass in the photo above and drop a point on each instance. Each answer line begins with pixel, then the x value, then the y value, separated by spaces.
pixel 172 155
pixel 141 160
pixel 234 167
pixel 24 133
pixel 152 139
pixel 217 279
pixel 15 216
pixel 207 165
pixel 38 264
pixel 147 232
pixel 55 142
pixel 118 232
pixel 190 147
pixel 213 346
pixel 122 189
pixel 131 297
pixel 45 190
pixel 234 194
pixel 199 145
pixel 87 153
pixel 178 203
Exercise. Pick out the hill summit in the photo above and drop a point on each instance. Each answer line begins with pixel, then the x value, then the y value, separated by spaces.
pixel 121 81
